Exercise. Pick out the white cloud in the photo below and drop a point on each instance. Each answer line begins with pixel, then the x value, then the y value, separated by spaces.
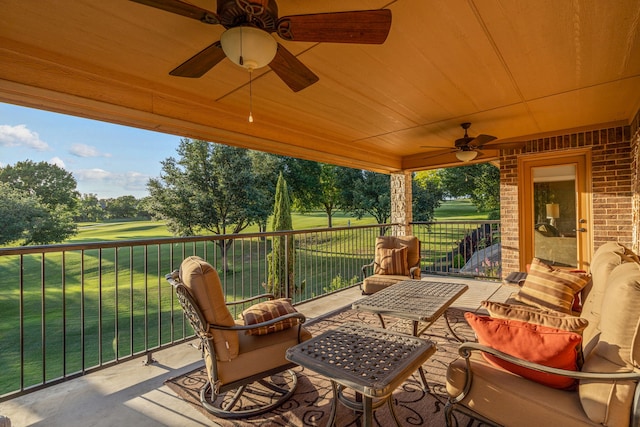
pixel 133 182
pixel 58 162
pixel 83 150
pixel 20 136
pixel 93 175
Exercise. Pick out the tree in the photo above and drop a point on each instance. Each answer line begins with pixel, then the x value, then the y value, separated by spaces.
pixel 303 181
pixel 123 207
pixel 282 257
pixel 89 208
pixel 427 195
pixel 210 188
pixel 18 210
pixel 480 182
pixel 366 192
pixel 266 167
pixel 54 189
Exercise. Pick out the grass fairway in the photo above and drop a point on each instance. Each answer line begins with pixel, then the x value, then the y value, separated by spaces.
pixel 128 230
pixel 460 209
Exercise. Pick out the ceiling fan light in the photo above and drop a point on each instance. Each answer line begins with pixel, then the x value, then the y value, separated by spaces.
pixel 248 47
pixel 466 156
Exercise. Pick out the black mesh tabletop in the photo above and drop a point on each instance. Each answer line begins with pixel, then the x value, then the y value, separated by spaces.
pixel 417 300
pixel 372 361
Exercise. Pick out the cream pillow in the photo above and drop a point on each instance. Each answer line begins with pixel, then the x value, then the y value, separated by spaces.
pixel 536 316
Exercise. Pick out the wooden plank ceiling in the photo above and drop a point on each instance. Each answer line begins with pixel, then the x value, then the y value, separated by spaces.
pixel 513 68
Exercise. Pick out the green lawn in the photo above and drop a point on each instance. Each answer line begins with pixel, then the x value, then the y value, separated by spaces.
pixel 460 209
pixel 126 230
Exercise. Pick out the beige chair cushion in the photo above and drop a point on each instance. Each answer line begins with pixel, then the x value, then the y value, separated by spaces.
pixel 204 285
pixel 378 282
pixel 394 242
pixel 259 353
pixel 617 350
pixel 549 288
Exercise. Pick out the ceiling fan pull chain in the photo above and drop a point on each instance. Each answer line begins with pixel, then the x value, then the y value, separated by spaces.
pixel 250 98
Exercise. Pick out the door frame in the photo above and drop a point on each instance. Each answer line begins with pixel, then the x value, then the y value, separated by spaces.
pixel 581 158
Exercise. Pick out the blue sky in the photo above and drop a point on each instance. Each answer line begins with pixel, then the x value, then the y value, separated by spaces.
pixel 105 159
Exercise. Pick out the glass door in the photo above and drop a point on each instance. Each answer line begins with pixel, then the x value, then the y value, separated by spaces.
pixel 554 210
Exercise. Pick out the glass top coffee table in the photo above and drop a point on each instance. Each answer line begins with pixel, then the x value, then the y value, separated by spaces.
pixel 371 361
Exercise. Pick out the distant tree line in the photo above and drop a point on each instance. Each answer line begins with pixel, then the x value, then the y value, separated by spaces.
pixel 213 188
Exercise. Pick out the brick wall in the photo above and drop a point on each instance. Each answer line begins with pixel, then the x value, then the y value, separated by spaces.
pixel 635 181
pixel 614 184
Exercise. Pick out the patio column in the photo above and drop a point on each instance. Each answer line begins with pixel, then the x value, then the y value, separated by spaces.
pixel 401 201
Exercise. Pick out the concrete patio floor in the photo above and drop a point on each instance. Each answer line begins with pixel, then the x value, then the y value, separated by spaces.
pixel 132 394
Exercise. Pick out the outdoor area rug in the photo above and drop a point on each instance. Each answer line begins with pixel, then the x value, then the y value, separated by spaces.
pixel 311 403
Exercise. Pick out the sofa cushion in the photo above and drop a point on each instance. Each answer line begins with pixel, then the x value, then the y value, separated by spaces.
pixel 538 316
pixel 617 349
pixel 392 261
pixel 203 283
pixel 605 259
pixel 536 343
pixel 505 398
pixel 266 311
pixel 549 288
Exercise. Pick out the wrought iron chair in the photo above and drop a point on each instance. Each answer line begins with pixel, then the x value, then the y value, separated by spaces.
pixel 247 374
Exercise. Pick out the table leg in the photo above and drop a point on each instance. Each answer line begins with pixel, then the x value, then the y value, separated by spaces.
pixel 446 319
pixel 381 320
pixel 367 411
pixel 334 405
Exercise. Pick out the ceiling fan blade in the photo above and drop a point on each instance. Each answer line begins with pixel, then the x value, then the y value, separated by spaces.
pixel 201 62
pixel 482 139
pixel 294 73
pixel 364 26
pixel 182 8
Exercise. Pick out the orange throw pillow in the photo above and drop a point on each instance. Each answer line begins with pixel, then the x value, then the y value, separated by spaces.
pixel 536 343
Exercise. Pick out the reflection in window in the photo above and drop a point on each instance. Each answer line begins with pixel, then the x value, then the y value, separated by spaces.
pixel 554 203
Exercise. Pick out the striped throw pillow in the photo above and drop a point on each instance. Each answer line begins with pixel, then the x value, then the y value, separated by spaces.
pixel 392 261
pixel 269 310
pixel 551 289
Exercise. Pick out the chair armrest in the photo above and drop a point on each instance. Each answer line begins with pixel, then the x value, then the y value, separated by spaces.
pixel 364 268
pixel 301 317
pixel 412 271
pixel 466 350
pixel 262 296
pixel 173 278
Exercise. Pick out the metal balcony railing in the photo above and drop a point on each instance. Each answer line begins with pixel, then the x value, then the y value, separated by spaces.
pixel 70 309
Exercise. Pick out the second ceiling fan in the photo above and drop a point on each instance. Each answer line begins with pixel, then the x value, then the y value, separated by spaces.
pixel 468 147
pixel 247 41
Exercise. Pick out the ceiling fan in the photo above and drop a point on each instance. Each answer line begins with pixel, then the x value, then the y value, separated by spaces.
pixel 468 147
pixel 248 42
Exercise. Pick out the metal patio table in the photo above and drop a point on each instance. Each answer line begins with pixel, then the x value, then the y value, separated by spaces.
pixel 371 361
pixel 415 300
